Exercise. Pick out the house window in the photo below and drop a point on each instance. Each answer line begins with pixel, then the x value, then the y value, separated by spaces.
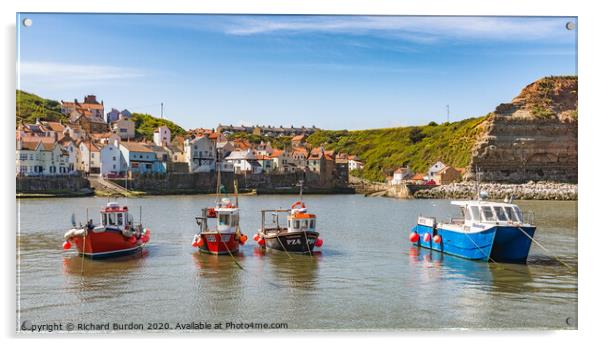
pixel 23 156
pixel 114 158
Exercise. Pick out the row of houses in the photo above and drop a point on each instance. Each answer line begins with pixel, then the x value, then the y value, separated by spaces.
pixel 92 142
pixel 263 130
pixel 51 148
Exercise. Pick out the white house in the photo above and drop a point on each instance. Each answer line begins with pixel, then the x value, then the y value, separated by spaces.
pixel 41 158
pixel 200 154
pixel 72 150
pixel 162 136
pixel 111 161
pixel 264 149
pixel 89 157
pixel 435 169
pixel 244 161
pixel 401 174
pixel 355 163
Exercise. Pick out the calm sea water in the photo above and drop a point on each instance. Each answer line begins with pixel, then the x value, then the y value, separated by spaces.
pixel 368 275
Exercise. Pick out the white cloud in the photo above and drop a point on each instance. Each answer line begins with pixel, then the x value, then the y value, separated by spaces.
pixel 419 29
pixel 78 73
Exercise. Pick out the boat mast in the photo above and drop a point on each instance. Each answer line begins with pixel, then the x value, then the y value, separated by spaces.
pixel 219 174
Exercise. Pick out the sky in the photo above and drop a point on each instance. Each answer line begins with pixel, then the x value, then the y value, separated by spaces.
pixel 332 72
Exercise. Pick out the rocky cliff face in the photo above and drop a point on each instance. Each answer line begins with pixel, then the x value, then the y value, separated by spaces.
pixel 533 138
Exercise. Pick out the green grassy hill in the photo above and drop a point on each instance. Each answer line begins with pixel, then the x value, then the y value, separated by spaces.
pixel 146 125
pixel 384 150
pixel 31 106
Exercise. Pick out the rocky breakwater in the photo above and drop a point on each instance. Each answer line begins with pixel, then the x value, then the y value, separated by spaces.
pixel 500 191
pixel 532 138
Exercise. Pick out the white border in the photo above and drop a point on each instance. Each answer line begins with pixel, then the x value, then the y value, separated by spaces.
pixel 590 130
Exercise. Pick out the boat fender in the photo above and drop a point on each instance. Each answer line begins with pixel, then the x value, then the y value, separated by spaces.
pixel 74 233
pixel 414 237
pixel 261 242
pixel 437 238
pixel 66 245
pixel 243 239
pixel 256 237
pixel 427 237
pixel 319 242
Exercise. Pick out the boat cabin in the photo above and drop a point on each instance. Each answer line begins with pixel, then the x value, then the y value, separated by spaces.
pixel 301 222
pixel 488 212
pixel 114 215
pixel 227 219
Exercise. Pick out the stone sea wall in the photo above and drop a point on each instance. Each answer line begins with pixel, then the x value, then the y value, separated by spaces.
pixel 499 191
pixel 51 184
pixel 206 182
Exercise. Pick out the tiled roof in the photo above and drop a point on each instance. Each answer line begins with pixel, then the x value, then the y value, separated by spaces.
pixel 276 153
pixel 37 139
pixel 54 126
pixel 137 147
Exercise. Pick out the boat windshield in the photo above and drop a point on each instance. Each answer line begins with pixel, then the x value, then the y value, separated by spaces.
pixel 120 219
pixel 488 214
pixel 519 214
pixel 224 219
pixel 499 212
pixel 104 219
pixel 476 215
pixel 511 214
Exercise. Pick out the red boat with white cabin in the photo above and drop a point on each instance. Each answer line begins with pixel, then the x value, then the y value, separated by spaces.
pixel 117 234
pixel 225 236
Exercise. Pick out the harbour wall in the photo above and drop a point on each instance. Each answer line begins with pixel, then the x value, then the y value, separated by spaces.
pixel 55 185
pixel 500 191
pixel 206 182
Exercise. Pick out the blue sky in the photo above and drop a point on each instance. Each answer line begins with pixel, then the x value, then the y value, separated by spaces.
pixel 334 72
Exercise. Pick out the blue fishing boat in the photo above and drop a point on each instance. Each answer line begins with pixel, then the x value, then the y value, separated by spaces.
pixel 486 231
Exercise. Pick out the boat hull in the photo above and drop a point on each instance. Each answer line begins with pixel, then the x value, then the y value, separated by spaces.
pixel 292 242
pixel 473 246
pixel 219 243
pixel 511 244
pixel 106 244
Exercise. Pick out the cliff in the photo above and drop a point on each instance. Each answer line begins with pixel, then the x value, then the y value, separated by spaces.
pixel 533 138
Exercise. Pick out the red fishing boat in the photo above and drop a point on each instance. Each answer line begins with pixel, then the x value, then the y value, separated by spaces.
pixel 117 235
pixel 225 236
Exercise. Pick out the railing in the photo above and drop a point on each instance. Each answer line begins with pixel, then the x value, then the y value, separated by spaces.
pixel 529 217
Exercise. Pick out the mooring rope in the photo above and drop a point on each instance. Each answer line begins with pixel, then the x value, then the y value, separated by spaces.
pixel 546 250
pixel 307 242
pixel 479 248
pixel 284 248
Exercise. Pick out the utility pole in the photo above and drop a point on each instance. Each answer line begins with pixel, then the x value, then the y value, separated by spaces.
pixel 161 110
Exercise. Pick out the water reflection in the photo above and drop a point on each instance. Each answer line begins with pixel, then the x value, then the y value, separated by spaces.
pixel 295 270
pixel 369 276
pixel 484 276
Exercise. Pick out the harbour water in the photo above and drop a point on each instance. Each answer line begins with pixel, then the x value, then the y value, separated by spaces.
pixel 368 275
